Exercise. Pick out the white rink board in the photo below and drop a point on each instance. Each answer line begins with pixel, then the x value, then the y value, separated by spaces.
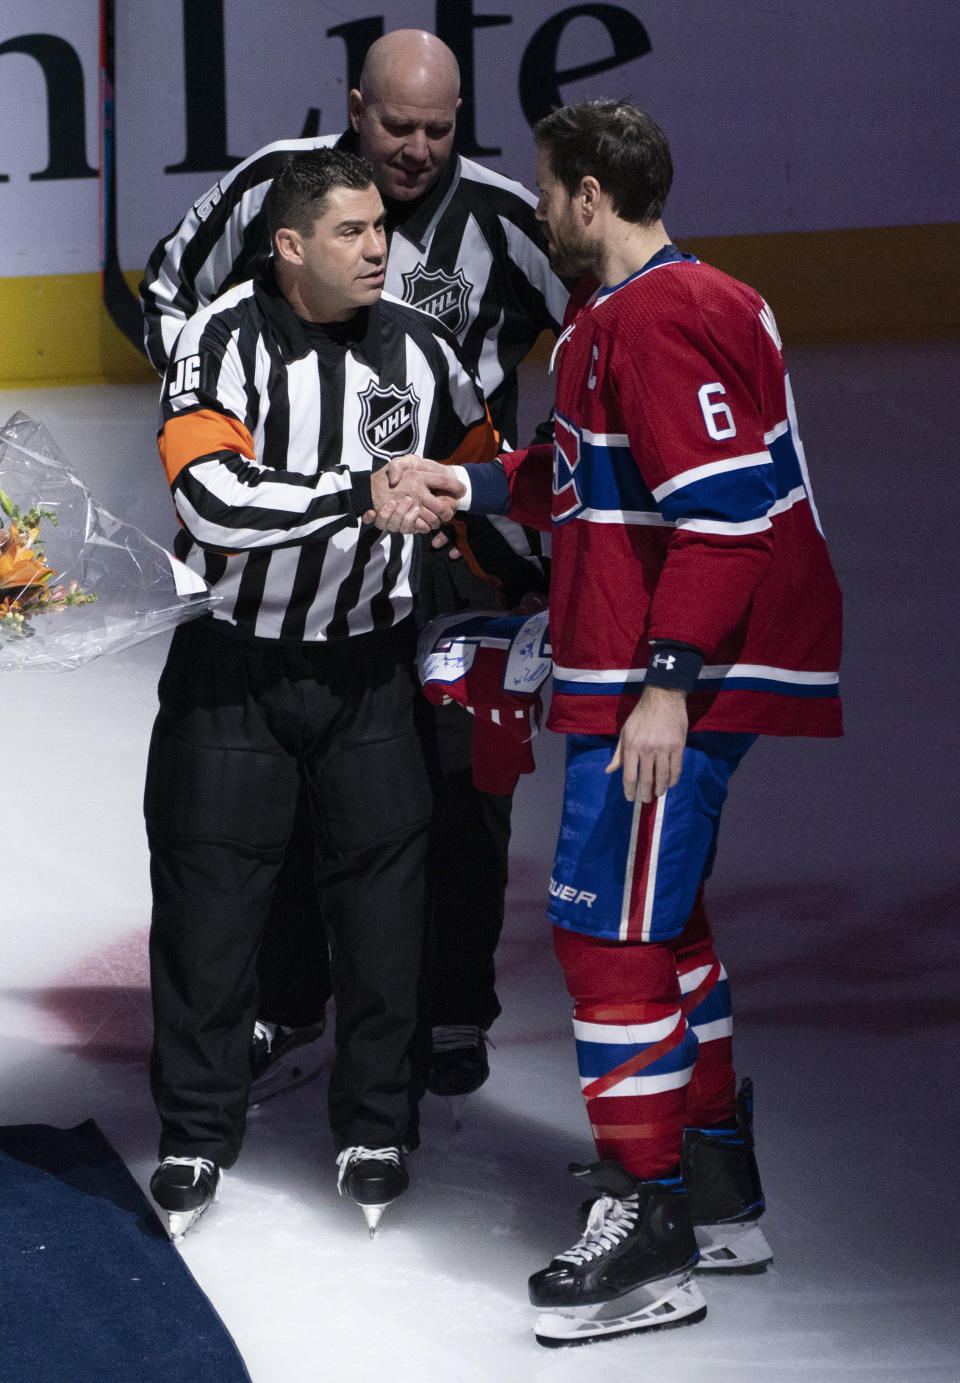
pixel 782 117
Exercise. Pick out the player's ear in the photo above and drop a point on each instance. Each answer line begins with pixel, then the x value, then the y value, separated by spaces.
pixel 589 195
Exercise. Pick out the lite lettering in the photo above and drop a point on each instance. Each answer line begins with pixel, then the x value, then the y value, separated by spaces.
pixel 540 79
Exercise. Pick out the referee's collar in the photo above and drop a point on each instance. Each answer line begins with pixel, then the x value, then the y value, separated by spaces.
pixel 416 220
pixel 293 339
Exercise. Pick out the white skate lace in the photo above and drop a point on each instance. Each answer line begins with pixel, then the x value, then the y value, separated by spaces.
pixel 199 1164
pixel 349 1156
pixel 609 1223
pixel 448 1037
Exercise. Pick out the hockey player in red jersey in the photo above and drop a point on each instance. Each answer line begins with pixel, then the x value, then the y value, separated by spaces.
pixel 692 607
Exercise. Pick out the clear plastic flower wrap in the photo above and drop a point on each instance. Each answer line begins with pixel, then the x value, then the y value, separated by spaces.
pixel 75 581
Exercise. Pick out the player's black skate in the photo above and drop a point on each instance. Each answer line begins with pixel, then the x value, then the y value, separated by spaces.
pixel 184 1187
pixel 726 1197
pixel 373 1177
pixel 458 1064
pixel 631 1268
pixel 283 1058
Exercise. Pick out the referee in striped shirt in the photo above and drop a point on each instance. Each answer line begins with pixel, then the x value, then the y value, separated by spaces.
pixel 282 404
pixel 464 246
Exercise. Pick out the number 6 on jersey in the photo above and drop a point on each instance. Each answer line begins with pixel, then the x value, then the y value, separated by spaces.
pixel 714 411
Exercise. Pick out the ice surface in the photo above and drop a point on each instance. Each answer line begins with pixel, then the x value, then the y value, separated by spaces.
pixel 835 902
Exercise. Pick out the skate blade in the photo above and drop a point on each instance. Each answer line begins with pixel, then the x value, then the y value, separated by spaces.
pixel 287 1075
pixel 732 1248
pixel 180 1221
pixel 372 1213
pixel 658 1305
pixel 457 1105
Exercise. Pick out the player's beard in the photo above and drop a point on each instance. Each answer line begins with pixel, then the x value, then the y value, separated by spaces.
pixel 571 255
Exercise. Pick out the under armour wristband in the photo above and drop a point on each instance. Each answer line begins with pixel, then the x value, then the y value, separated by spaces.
pixel 674 666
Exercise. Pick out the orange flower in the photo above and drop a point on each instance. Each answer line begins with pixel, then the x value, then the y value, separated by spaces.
pixel 20 567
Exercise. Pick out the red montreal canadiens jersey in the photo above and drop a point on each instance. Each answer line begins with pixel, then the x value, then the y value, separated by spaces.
pixel 682 510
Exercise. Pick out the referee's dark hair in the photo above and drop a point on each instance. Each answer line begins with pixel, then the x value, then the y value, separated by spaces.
pixel 618 144
pixel 298 194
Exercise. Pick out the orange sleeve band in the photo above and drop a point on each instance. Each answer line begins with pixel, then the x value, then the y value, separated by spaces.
pixel 470 557
pixel 481 443
pixel 188 436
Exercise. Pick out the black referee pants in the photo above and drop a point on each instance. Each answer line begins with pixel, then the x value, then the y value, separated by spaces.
pixel 466 874
pixel 242 723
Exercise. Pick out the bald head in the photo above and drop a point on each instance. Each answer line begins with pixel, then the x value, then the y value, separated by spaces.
pixel 409 60
pixel 404 113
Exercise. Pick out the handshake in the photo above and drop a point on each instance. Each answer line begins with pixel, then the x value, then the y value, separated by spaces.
pixel 413 495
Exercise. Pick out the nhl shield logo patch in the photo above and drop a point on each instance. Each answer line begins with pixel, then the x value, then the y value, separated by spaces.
pixel 389 421
pixel 444 296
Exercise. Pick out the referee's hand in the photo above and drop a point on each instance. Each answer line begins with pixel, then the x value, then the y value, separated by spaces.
pixel 412 495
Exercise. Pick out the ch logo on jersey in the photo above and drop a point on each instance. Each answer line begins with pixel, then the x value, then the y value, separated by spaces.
pixel 389 420
pixel 443 296
pixel 567 453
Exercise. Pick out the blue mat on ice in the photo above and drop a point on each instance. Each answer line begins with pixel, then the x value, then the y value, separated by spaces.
pixel 91 1288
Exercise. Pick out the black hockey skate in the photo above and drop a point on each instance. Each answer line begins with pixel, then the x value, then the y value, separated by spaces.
pixel 184 1187
pixel 726 1197
pixel 374 1178
pixel 282 1059
pixel 629 1271
pixel 458 1064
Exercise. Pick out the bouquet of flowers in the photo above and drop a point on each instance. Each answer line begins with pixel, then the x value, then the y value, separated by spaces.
pixel 62 553
pixel 25 588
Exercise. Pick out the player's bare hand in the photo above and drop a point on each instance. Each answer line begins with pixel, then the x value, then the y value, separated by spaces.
pixel 431 477
pixel 651 743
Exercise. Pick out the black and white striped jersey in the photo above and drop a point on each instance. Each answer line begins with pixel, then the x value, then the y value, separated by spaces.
pixel 271 428
pixel 469 252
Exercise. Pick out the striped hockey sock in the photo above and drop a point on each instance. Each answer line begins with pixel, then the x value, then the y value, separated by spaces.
pixel 711 1096
pixel 635 1051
